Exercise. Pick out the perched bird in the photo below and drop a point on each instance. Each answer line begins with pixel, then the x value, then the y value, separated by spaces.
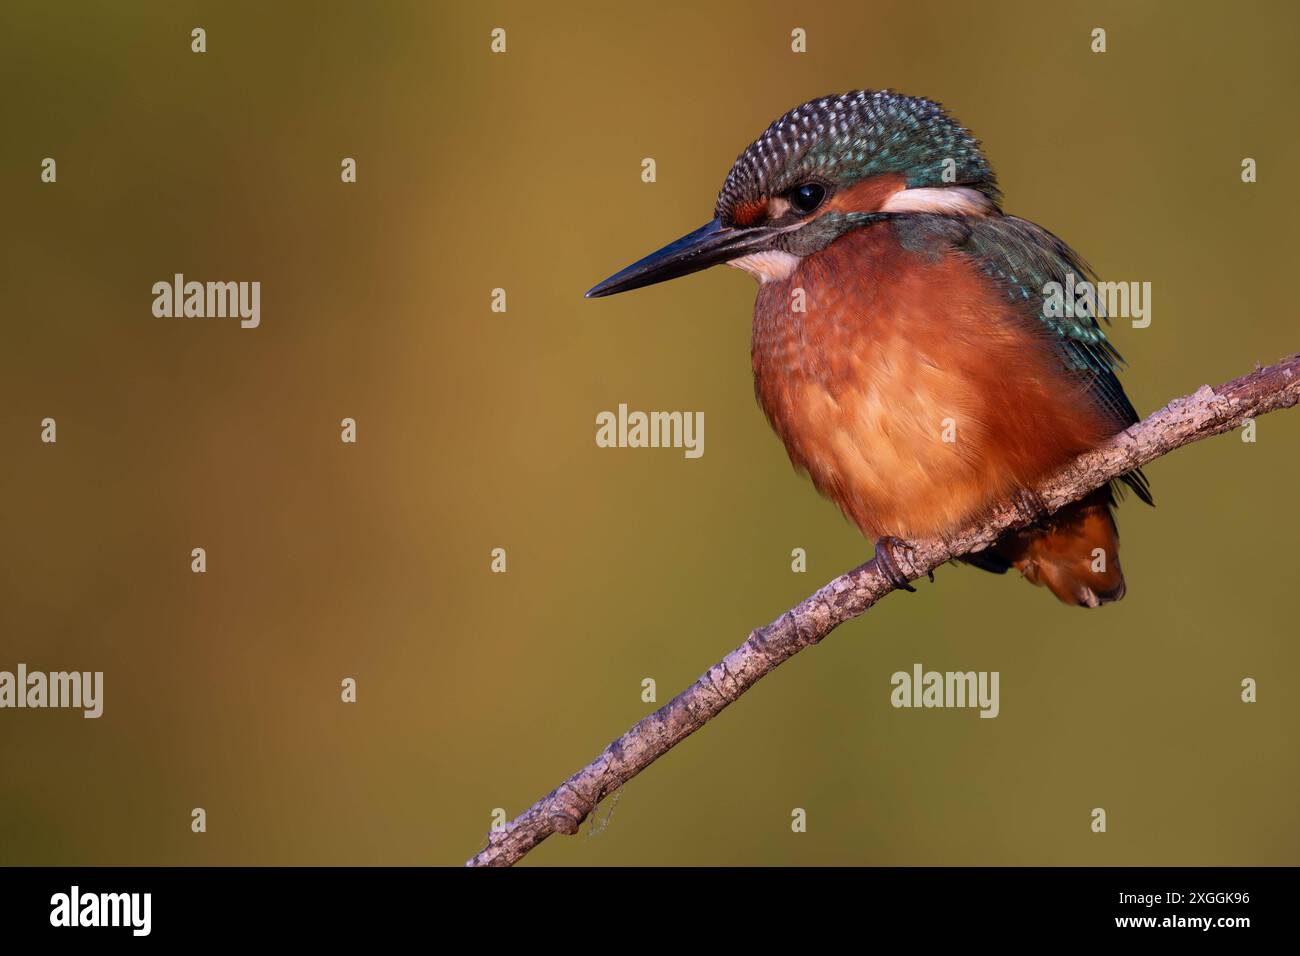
pixel 905 348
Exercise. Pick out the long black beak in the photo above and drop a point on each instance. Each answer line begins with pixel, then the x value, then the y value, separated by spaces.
pixel 709 245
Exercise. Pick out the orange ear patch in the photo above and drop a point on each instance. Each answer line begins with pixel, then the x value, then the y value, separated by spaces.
pixel 869 194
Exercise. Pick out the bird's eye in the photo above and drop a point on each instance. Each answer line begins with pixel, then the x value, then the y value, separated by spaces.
pixel 807 197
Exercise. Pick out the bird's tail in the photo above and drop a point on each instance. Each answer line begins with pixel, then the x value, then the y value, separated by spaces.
pixel 1074 553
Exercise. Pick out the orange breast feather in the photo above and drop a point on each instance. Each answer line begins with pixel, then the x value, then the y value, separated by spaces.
pixel 908 388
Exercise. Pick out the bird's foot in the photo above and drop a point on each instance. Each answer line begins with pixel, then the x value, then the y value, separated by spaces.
pixel 887 549
pixel 1030 505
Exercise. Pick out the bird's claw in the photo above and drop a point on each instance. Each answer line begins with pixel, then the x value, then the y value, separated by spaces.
pixel 887 559
pixel 1030 505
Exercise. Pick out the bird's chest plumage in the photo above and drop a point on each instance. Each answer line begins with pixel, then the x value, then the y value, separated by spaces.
pixel 907 386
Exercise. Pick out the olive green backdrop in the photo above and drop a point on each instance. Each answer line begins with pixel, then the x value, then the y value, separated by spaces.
pixel 476 431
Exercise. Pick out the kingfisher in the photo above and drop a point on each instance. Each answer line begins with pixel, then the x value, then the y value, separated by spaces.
pixel 908 344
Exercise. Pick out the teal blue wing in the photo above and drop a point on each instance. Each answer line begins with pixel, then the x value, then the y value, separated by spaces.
pixel 1024 259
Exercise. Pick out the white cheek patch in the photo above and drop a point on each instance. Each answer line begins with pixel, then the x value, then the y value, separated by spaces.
pixel 947 201
pixel 770 266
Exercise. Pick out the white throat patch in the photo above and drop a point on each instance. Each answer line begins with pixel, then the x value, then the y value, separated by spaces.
pixel 772 265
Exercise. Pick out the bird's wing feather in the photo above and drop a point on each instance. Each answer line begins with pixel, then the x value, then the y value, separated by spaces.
pixel 1023 259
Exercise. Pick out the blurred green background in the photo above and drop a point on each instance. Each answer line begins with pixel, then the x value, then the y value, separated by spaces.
pixel 476 431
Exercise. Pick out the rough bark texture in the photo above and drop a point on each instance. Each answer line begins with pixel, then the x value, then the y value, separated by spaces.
pixel 1206 412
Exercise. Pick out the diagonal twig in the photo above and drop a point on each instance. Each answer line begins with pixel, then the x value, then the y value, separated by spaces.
pixel 1204 413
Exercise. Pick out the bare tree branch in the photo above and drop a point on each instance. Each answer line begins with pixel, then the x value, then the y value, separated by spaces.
pixel 1204 413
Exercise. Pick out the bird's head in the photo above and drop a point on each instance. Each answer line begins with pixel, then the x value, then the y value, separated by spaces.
pixel 824 168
